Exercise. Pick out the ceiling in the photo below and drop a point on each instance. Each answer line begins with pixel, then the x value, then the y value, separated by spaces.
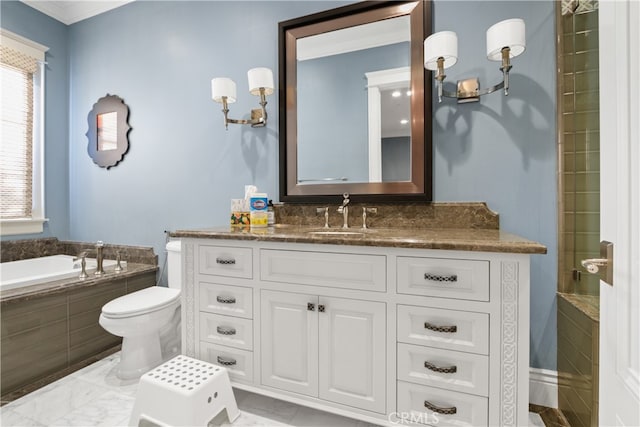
pixel 70 12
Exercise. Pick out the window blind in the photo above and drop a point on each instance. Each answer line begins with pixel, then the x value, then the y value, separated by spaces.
pixel 16 150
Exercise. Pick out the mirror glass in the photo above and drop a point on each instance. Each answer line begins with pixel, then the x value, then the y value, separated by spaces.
pixel 352 103
pixel 107 131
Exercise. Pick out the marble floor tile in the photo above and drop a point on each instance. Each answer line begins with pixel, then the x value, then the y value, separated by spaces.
pixel 94 396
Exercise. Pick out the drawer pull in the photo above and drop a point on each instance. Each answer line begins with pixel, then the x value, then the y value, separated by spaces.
pixel 441 369
pixel 226 361
pixel 226 300
pixel 448 329
pixel 226 330
pixel 441 278
pixel 225 261
pixel 440 410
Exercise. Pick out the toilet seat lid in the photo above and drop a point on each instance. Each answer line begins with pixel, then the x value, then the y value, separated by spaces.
pixel 141 302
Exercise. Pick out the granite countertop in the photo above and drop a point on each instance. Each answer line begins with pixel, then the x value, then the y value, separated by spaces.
pixel 132 269
pixel 485 240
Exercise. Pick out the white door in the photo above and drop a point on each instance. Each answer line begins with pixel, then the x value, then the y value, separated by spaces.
pixel 620 212
pixel 352 337
pixel 289 341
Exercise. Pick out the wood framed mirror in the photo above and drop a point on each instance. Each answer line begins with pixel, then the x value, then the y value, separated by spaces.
pixel 347 78
pixel 108 132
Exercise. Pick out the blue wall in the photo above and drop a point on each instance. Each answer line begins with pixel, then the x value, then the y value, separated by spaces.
pixel 183 167
pixel 29 23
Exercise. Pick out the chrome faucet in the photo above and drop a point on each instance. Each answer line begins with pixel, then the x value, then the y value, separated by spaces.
pixel 324 211
pixel 344 210
pixel 99 258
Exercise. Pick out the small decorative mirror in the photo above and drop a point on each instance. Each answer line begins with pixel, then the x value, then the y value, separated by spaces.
pixel 108 131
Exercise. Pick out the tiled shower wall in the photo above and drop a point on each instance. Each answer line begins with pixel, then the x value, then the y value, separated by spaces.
pixel 579 147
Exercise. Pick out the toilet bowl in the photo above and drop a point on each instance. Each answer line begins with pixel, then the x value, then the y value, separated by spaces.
pixel 148 321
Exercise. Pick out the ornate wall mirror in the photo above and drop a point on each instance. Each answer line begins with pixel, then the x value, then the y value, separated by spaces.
pixel 108 131
pixel 353 102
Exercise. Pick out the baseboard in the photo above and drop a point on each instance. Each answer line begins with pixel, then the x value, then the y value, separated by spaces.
pixel 543 387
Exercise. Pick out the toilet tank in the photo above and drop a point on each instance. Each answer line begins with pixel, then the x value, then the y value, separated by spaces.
pixel 174 264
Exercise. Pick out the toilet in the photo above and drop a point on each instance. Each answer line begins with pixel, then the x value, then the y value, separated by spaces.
pixel 148 321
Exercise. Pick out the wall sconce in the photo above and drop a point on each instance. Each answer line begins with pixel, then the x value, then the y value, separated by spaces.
pixel 223 90
pixel 505 40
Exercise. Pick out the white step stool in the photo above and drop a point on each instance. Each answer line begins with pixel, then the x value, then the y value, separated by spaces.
pixel 184 392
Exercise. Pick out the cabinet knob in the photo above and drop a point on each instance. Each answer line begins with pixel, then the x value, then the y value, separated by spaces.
pixel 440 369
pixel 441 278
pixel 439 409
pixel 447 329
pixel 321 308
pixel 311 306
pixel 226 361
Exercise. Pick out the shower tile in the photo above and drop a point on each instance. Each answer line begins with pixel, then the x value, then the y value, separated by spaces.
pixel 585 21
pixel 587 101
pixel 587 81
pixel 581 161
pixel 585 40
pixel 587 60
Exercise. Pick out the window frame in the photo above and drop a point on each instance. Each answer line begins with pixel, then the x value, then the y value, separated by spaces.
pixel 34 224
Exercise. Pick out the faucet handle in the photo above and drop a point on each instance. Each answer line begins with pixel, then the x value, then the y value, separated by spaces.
pixel 99 244
pixel 324 211
pixel 118 261
pixel 81 256
pixel 365 211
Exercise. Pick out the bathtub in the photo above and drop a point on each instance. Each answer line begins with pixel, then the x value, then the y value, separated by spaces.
pixel 17 274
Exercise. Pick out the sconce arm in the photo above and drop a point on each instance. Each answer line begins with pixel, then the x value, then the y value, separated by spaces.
pixel 258 115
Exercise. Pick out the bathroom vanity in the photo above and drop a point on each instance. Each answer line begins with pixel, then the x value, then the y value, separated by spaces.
pixel 389 326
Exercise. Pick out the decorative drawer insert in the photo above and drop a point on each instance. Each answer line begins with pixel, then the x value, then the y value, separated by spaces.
pixel 226 330
pixel 446 278
pixel 226 261
pixel 442 328
pixel 435 406
pixel 452 370
pixel 337 270
pixel 227 300
pixel 239 363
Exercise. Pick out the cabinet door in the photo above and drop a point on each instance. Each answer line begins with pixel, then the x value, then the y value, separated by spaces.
pixel 289 341
pixel 352 338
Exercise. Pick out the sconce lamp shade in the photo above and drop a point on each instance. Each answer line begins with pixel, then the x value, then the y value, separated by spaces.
pixel 260 77
pixel 223 86
pixel 509 33
pixel 443 44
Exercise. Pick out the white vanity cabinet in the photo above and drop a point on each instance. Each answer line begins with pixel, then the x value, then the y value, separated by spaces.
pixel 388 335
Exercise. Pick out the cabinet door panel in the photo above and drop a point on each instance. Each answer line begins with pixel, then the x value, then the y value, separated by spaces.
pixel 289 342
pixel 352 352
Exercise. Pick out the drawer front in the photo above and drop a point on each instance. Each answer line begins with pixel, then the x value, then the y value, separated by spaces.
pixel 227 300
pixel 448 329
pixel 226 330
pixel 239 363
pixel 435 406
pixel 446 278
pixel 337 270
pixel 226 261
pixel 448 369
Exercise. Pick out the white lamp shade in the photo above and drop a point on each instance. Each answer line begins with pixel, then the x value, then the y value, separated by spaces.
pixel 443 44
pixel 260 77
pixel 223 86
pixel 509 33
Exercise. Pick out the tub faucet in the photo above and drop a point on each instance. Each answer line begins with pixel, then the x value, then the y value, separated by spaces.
pixel 99 258
pixel 344 210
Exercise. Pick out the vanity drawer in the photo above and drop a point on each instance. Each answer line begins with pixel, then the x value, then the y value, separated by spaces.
pixel 446 278
pixel 451 370
pixel 226 261
pixel 448 329
pixel 239 363
pixel 226 330
pixel 227 300
pixel 336 270
pixel 442 407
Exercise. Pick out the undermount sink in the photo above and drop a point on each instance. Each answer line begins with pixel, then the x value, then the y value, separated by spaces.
pixel 336 233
